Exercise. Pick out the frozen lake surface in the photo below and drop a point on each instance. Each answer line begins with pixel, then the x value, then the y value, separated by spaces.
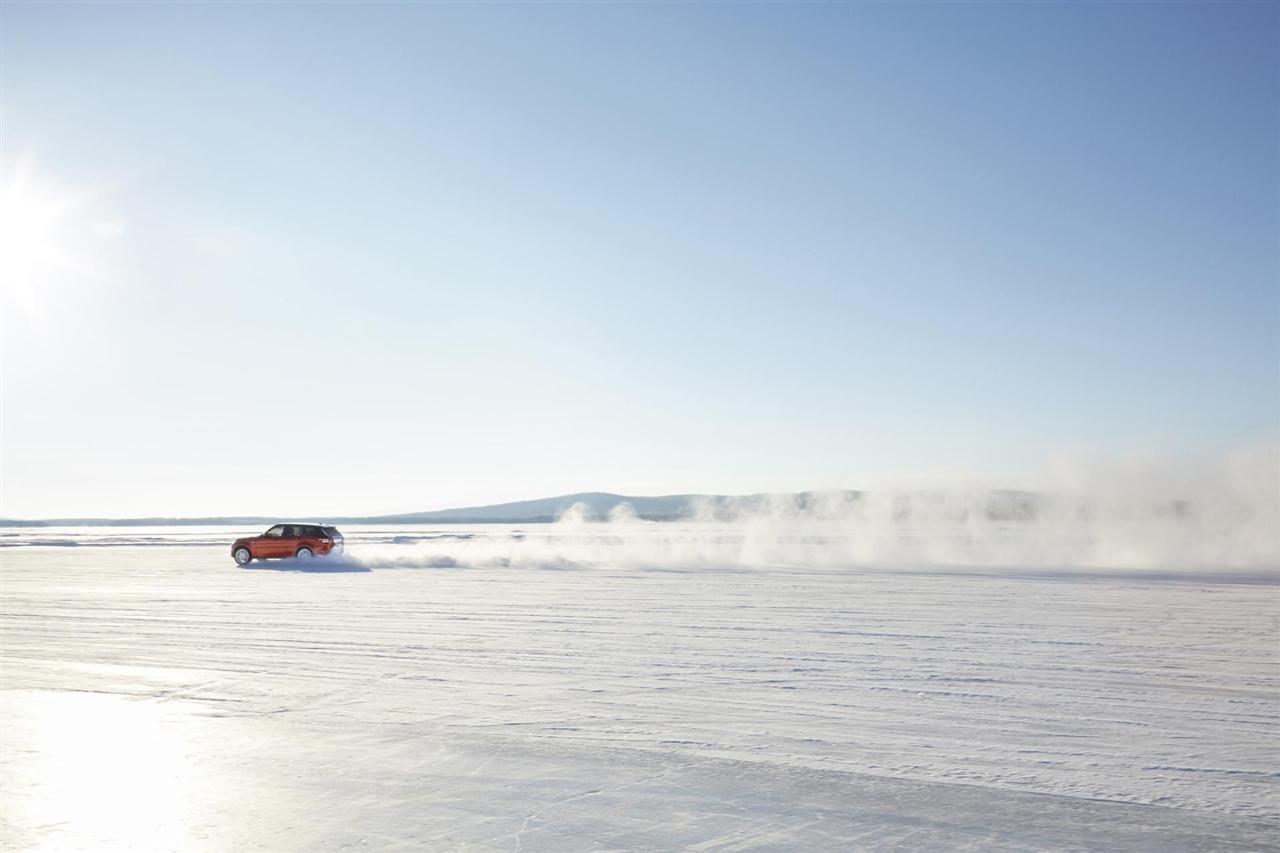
pixel 543 688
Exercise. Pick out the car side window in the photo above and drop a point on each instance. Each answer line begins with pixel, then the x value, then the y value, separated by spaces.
pixel 292 531
pixel 278 530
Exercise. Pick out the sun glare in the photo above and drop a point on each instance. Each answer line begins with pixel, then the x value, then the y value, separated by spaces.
pixel 103 772
pixel 28 222
pixel 47 235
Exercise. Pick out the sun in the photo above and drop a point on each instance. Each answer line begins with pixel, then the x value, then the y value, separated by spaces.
pixel 29 220
pixel 48 235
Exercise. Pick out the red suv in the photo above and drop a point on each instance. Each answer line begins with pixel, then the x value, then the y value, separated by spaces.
pixel 288 540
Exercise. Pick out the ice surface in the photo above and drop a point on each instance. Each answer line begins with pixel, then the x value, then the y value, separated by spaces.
pixel 501 688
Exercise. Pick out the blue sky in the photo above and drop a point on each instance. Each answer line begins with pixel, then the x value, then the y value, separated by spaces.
pixel 321 258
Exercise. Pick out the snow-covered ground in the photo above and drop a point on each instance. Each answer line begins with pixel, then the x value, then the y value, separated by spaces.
pixel 624 687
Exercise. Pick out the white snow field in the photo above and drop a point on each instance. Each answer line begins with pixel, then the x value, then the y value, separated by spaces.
pixel 649 687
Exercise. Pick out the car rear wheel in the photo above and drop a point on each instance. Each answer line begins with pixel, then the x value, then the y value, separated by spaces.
pixel 304 554
pixel 242 556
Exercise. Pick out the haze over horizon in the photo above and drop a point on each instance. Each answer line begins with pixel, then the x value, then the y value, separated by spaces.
pixel 501 252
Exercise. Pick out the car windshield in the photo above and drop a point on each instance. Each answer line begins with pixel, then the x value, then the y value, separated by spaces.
pixel 278 530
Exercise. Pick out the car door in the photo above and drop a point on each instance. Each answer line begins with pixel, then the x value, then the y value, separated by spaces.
pixel 307 539
pixel 291 540
pixel 270 544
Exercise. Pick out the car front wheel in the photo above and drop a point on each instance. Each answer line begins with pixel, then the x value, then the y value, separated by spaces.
pixel 242 556
pixel 304 553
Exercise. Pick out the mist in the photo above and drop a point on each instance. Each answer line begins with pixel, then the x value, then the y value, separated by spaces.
pixel 1148 512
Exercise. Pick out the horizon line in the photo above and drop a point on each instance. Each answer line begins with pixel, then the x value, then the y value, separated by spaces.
pixel 395 517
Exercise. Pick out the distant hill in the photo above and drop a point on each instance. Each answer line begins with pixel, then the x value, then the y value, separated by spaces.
pixel 593 504
pixel 1000 505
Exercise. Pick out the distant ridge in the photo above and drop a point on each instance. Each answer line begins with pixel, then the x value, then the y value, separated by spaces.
pixel 1008 505
pixel 593 505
